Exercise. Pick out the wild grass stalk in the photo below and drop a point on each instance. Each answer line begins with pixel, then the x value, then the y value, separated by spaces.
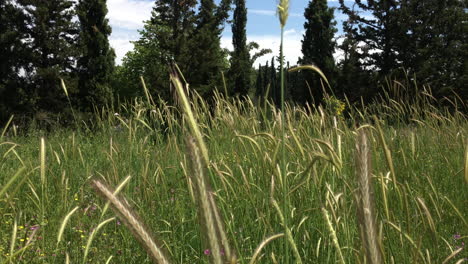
pixel 466 164
pixel 332 231
pixel 131 221
pixel 91 237
pixel 10 182
pixel 366 201
pixel 289 235
pixel 206 211
pixel 283 13
pixel 256 254
pixel 5 128
pixel 64 223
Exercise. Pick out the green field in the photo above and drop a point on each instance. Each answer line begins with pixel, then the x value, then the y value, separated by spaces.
pixel 50 212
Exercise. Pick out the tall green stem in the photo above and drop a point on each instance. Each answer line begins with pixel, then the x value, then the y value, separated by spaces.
pixel 283 155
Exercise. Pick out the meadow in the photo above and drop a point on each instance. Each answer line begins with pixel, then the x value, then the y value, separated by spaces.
pixel 203 183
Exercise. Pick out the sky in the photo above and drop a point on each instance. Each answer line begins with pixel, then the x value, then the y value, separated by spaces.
pixel 126 17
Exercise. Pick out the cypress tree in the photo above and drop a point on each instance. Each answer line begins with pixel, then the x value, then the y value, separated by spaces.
pixel 260 82
pixel 318 45
pixel 274 85
pixel 240 58
pixel 96 63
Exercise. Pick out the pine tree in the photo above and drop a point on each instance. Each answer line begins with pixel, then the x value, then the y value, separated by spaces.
pixel 207 58
pixel 14 54
pixel 240 58
pixel 354 79
pixel 379 32
pixel 434 45
pixel 53 49
pixel 173 23
pixel 318 45
pixel 96 63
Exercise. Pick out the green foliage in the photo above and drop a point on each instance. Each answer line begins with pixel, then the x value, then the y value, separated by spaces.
pixel 14 54
pixel 53 50
pixel 177 33
pixel 379 33
pixel 354 80
pixel 318 47
pixel 207 58
pixel 426 201
pixel 241 65
pixel 96 63
pixel 425 38
pixel 434 45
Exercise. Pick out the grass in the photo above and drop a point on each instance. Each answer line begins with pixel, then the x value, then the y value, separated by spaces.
pixel 49 211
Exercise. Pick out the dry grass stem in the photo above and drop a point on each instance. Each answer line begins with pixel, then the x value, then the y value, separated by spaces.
pixel 262 245
pixel 202 193
pixel 131 221
pixel 64 223
pixel 365 200
pixel 454 253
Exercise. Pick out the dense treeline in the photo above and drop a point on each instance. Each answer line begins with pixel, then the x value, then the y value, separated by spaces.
pixel 41 42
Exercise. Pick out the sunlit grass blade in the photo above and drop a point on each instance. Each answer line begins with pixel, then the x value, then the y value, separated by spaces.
pixel 5 128
pixel 64 223
pixel 265 242
pixel 131 221
pixel 11 181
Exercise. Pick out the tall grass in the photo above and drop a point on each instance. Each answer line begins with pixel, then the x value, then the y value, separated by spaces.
pixel 218 207
pixel 198 181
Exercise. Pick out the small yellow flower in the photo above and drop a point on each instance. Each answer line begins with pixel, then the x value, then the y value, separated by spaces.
pixel 21 227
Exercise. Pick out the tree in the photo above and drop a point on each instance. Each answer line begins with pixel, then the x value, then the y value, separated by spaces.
pixel 274 91
pixel 354 78
pixel 318 45
pixel 53 50
pixel 96 63
pixel 434 45
pixel 377 32
pixel 14 53
pixel 207 58
pixel 173 23
pixel 241 66
pixel 176 33
pixel 165 38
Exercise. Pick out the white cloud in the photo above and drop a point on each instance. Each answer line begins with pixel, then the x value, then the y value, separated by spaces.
pixel 129 14
pixel 268 12
pixel 126 16
pixel 292 45
pixel 262 12
pixel 121 45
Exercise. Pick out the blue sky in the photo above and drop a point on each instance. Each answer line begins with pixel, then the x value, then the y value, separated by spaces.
pixel 127 16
